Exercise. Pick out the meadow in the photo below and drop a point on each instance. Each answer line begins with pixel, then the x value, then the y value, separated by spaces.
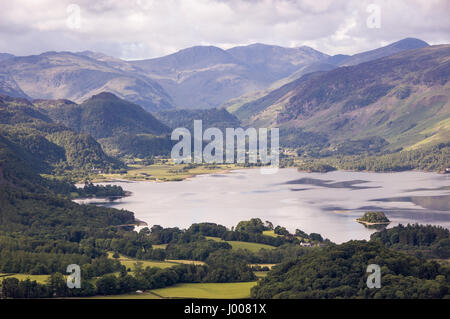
pixel 253 247
pixel 130 262
pixel 164 171
pixel 207 290
pixel 38 278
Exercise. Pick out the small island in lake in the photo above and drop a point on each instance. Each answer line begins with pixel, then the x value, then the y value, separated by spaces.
pixel 373 218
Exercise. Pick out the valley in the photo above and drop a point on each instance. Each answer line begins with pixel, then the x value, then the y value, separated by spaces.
pixel 87 178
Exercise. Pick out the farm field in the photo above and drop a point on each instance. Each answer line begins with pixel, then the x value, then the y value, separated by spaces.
pixel 253 247
pixel 164 172
pixel 185 261
pixel 38 278
pixel 207 290
pixel 161 246
pixel 129 262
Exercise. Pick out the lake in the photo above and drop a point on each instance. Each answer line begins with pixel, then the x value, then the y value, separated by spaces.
pixel 324 203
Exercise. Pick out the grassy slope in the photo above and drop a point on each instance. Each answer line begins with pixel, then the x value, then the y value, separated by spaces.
pixel 130 262
pixel 38 278
pixel 253 247
pixel 207 290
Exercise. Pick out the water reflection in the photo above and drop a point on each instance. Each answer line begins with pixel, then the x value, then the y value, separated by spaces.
pixel 331 184
pixel 441 203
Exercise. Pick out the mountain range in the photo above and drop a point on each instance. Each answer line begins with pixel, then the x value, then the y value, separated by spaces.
pixel 199 77
pixel 403 98
pixel 78 76
pixel 386 99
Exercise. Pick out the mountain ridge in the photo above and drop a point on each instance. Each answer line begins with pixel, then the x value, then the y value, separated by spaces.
pixel 396 97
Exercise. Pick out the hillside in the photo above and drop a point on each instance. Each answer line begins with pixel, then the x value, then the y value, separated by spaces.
pixel 326 63
pixel 340 272
pixel 66 75
pixel 9 87
pixel 391 49
pixel 45 145
pixel 102 115
pixel 398 98
pixel 121 127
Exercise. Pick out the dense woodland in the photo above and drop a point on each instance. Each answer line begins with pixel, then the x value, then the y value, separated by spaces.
pixel 429 158
pixel 340 272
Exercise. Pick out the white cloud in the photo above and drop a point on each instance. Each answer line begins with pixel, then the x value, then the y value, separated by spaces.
pixel 149 28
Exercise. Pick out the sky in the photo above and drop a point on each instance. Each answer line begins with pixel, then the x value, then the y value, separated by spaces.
pixel 138 29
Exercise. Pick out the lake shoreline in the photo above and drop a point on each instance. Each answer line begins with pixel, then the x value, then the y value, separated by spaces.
pixel 243 193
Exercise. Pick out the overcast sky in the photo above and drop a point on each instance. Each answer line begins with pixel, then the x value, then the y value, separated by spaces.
pixel 136 29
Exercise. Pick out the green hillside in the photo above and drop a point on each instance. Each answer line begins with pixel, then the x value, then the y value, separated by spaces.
pixel 121 127
pixel 403 98
pixel 103 115
pixel 340 272
pixel 48 146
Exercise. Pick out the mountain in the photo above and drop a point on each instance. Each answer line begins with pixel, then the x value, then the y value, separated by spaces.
pixel 403 98
pixel 121 127
pixel 275 61
pixel 199 77
pixel 66 75
pixel 9 87
pixel 393 48
pixel 326 63
pixel 45 145
pixel 102 115
pixel 206 76
pixel 5 56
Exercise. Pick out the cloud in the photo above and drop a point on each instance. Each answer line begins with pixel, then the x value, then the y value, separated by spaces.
pixel 149 28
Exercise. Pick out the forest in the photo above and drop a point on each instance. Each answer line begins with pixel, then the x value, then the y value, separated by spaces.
pixel 428 158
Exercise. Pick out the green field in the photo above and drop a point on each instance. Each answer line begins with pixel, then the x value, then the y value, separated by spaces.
pixel 146 263
pixel 207 290
pixel 161 246
pixel 253 247
pixel 270 233
pixel 263 265
pixel 130 262
pixel 38 278
pixel 185 261
pixel 164 172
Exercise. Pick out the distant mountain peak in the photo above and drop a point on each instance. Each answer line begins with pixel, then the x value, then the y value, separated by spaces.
pixel 202 50
pixel 104 96
pixel 409 43
pixel 390 49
